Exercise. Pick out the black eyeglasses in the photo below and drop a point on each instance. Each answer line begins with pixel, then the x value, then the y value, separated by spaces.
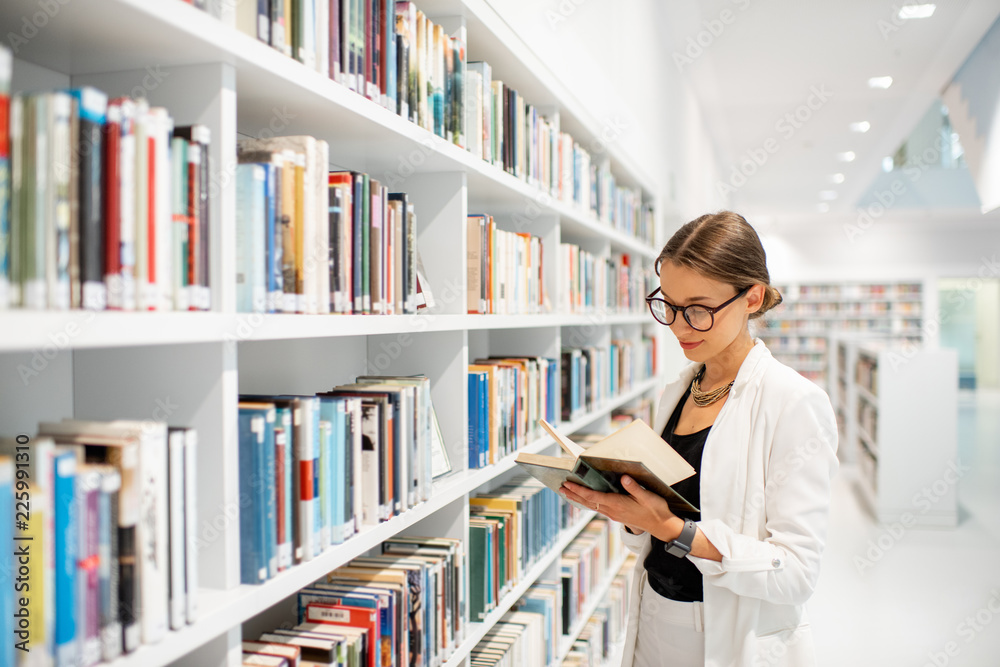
pixel 701 318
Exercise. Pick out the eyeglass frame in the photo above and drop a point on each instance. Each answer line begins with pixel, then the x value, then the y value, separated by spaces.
pixel 684 309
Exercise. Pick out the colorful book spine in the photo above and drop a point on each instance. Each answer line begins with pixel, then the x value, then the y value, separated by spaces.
pixel 67 651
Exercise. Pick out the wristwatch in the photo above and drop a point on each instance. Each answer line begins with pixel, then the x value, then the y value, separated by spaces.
pixel 681 546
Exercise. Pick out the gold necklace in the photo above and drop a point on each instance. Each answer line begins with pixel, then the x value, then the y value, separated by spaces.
pixel 703 398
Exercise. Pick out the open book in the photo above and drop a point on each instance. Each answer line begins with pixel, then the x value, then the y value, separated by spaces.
pixel 634 450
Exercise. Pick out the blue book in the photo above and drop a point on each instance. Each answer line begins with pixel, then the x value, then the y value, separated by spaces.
pixel 250 204
pixel 268 486
pixel 331 412
pixel 253 552
pixel 273 250
pixel 473 412
pixel 8 547
pixel 311 405
pixel 65 559
pixel 484 419
pixel 338 472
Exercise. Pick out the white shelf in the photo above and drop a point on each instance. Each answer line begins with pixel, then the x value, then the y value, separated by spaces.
pixel 25 330
pixel 215 75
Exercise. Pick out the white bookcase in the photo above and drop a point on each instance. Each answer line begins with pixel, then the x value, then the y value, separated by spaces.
pixel 897 408
pixel 796 331
pixel 189 368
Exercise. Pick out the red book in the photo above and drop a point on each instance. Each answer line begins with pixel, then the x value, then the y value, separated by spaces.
pixel 112 199
pixel 355 617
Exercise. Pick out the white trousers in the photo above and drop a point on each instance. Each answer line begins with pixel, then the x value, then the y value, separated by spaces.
pixel 670 633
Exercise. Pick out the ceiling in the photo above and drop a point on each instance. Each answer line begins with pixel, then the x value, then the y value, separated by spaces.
pixel 779 82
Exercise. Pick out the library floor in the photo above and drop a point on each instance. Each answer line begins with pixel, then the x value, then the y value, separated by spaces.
pixel 932 598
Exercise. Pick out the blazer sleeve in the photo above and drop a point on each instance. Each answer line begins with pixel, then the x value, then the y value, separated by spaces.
pixel 634 542
pixel 782 568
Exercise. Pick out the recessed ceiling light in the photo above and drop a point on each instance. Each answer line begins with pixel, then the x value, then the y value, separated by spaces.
pixel 823 207
pixel 888 163
pixel 827 195
pixel 836 178
pixel 862 126
pixel 880 82
pixel 846 156
pixel 916 11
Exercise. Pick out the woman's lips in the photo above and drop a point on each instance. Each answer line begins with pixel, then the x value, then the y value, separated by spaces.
pixel 691 346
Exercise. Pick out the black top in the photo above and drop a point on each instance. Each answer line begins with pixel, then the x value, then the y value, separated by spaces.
pixel 672 577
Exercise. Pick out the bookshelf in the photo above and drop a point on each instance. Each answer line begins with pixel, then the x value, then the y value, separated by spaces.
pixel 897 407
pixel 189 368
pixel 797 331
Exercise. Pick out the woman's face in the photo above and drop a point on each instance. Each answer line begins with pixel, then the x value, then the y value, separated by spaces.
pixel 682 286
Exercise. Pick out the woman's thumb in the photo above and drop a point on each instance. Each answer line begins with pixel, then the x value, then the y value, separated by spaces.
pixel 634 488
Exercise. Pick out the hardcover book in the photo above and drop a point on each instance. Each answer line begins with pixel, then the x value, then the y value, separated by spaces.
pixel 635 450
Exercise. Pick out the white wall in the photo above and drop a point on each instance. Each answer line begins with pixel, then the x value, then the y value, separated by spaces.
pixel 615 57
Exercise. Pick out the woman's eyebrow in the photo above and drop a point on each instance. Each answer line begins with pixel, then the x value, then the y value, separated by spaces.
pixel 694 298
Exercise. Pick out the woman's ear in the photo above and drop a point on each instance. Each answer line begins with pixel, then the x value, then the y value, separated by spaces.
pixel 755 298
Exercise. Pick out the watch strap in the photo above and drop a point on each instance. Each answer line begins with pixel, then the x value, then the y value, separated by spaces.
pixel 681 546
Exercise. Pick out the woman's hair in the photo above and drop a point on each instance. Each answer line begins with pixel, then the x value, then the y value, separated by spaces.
pixel 722 246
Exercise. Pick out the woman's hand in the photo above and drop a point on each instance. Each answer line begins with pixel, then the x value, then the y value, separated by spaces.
pixel 640 511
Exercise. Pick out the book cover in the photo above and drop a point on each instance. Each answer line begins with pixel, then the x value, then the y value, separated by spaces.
pixel 634 450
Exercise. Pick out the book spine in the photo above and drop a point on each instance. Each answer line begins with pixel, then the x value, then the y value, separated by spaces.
pixel 110 165
pixel 179 222
pixel 304 459
pixel 58 205
pixel 175 500
pixel 93 114
pixel 325 432
pixel 153 536
pixel 253 569
pixel 6 246
pixel 245 176
pixel 335 212
pixel 283 420
pixel 333 45
pixel 88 576
pixel 268 482
pixel 66 552
pixel 279 496
pixel 164 280
pixel 191 524
pixel 275 287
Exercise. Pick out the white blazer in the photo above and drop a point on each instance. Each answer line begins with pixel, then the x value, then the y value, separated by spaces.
pixel 765 494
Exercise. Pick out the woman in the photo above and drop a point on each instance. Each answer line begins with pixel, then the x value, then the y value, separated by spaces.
pixel 727 588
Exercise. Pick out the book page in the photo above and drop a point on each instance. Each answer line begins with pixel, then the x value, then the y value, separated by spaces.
pixel 568 445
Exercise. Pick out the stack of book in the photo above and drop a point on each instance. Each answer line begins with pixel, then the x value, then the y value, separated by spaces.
pixel 504 270
pixel 595 284
pixel 388 51
pixel 312 241
pixel 404 607
pixel 315 470
pixel 584 566
pixel 509 530
pixel 108 533
pixel 109 203
pixel 519 638
pixel 507 397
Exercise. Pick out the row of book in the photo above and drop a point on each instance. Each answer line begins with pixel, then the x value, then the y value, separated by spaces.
pixel 592 375
pixel 601 637
pixel 585 564
pixel 593 283
pixel 526 141
pixel 104 203
pixel 402 608
pixel 504 270
pixel 315 470
pixel 509 530
pixel 506 398
pixel 531 633
pixel 392 53
pixel 314 241
pixel 105 544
